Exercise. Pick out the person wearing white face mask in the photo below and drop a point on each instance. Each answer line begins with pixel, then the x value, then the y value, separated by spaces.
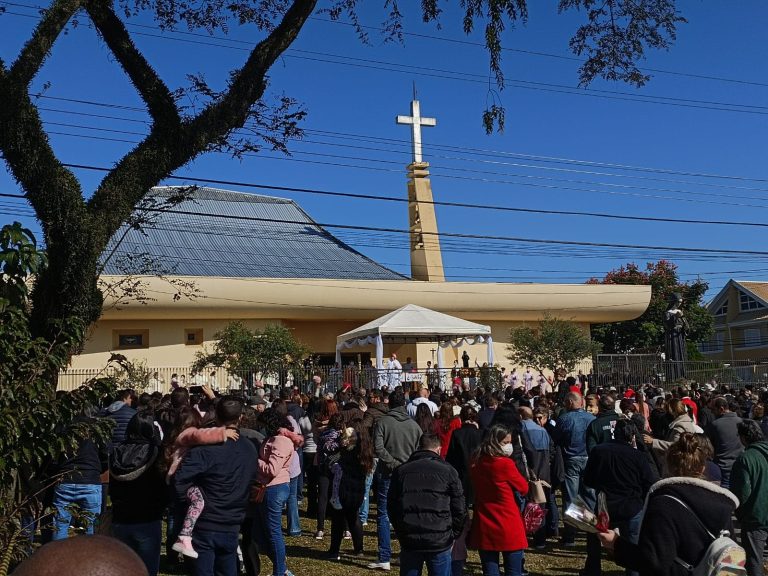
pixel 497 526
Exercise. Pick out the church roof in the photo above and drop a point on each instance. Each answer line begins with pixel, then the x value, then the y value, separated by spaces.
pixel 237 235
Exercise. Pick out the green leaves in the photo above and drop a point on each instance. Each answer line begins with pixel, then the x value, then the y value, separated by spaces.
pixel 267 351
pixel 553 344
pixel 19 261
pixel 36 420
pixel 646 333
pixel 617 35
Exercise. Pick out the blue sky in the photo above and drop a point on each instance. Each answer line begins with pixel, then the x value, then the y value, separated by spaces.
pixel 352 143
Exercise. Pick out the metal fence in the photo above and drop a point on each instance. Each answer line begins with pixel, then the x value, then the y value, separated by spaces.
pixel 636 369
pixel 627 370
pixel 159 379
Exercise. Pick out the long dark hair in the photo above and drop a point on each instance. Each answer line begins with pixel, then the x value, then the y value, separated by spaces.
pixel 424 418
pixel 445 417
pixel 353 418
pixel 491 444
pixel 271 420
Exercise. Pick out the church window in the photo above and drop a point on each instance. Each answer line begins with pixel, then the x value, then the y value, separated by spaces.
pixel 193 336
pixel 130 339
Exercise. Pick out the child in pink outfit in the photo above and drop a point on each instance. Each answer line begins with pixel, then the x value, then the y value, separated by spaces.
pixel 187 438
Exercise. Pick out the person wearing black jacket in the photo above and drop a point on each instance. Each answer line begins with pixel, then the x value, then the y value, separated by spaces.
pixel 620 471
pixel 464 442
pixel 138 490
pixel 601 428
pixel 224 473
pixel 426 507
pixel 80 484
pixel 680 516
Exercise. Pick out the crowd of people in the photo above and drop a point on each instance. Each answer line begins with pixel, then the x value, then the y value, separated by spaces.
pixel 448 470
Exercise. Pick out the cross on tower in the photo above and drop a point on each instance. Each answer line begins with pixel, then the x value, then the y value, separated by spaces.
pixel 416 122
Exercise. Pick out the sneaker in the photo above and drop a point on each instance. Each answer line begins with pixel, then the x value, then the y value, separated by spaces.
pixel 183 545
pixel 379 566
pixel 333 557
pixel 347 535
pixel 365 524
pixel 288 573
pixel 319 535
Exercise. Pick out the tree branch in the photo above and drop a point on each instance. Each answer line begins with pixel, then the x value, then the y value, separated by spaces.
pixel 249 83
pixel 145 79
pixel 35 51
pixel 161 153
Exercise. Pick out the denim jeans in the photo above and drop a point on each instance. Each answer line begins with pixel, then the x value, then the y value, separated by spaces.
pixel 217 552
pixel 268 525
pixel 553 514
pixel 438 563
pixel 294 528
pixel 85 496
pixel 513 563
pixel 144 539
pixel 753 542
pixel 573 487
pixel 366 506
pixel 383 480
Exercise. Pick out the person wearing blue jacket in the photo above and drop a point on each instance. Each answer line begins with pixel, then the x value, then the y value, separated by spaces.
pixel 224 473
pixel 570 434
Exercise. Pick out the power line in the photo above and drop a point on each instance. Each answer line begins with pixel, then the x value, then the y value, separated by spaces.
pixel 395 230
pixel 261 156
pixel 452 41
pixel 482 151
pixel 338 59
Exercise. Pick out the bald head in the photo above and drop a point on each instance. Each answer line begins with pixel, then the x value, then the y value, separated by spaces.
pixel 525 413
pixel 83 556
pixel 573 401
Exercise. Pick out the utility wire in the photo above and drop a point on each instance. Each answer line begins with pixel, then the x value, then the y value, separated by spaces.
pixel 486 152
pixel 446 40
pixel 379 65
pixel 554 187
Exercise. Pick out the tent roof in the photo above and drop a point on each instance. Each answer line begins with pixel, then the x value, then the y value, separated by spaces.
pixel 415 322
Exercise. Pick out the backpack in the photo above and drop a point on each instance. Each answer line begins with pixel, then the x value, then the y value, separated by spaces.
pixel 723 557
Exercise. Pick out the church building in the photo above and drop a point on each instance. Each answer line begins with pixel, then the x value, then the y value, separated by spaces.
pixel 262 260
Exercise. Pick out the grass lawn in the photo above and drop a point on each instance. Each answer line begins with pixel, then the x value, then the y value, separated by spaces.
pixel 306 557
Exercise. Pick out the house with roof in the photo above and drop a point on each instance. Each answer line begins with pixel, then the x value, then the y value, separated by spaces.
pixel 262 260
pixel 740 312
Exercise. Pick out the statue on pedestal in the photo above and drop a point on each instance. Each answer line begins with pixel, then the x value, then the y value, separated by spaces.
pixel 675 329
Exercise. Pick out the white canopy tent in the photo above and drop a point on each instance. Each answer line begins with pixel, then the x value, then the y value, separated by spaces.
pixel 413 323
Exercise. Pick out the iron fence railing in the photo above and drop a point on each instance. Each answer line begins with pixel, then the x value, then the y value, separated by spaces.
pixel 619 370
pixel 159 379
pixel 636 369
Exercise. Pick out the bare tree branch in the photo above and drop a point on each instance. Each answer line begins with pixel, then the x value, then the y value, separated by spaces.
pixel 249 82
pixel 36 50
pixel 162 153
pixel 145 79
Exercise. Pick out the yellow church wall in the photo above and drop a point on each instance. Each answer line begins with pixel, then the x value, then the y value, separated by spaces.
pixel 167 347
pixel 319 310
pixel 166 341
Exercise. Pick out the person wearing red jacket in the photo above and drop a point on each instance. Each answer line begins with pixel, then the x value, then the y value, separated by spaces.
pixel 497 526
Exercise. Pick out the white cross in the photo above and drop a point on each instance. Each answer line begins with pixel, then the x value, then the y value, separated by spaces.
pixel 416 122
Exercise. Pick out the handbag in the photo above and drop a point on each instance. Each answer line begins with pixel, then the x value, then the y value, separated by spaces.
pixel 533 513
pixel 533 518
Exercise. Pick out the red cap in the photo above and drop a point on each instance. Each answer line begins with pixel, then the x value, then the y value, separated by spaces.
pixel 576 389
pixel 629 393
